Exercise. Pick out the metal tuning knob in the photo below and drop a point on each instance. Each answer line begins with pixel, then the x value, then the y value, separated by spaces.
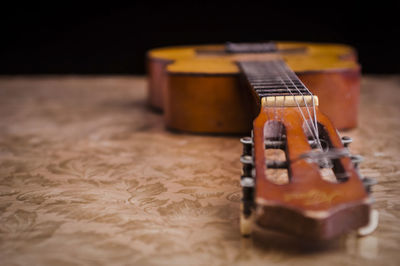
pixel 368 182
pixel 346 141
pixel 247 156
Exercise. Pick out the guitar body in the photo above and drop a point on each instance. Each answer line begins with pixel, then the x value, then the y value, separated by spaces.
pixel 283 93
pixel 199 88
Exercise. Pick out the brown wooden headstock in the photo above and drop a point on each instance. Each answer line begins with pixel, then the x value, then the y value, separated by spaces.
pixel 306 205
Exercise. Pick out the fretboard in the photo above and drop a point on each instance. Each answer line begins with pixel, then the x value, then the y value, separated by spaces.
pixel 272 78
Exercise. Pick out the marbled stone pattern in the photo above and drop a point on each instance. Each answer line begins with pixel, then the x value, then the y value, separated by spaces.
pixel 89 176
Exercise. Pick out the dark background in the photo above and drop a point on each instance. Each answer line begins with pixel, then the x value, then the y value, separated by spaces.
pixel 112 38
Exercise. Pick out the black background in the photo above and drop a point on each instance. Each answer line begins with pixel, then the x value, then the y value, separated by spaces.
pixel 112 38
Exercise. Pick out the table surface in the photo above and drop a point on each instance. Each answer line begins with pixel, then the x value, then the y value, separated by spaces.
pixel 89 175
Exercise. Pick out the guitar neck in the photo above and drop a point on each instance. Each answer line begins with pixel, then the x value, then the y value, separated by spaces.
pixel 272 78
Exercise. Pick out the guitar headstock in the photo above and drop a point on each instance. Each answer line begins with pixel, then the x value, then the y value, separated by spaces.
pixel 307 202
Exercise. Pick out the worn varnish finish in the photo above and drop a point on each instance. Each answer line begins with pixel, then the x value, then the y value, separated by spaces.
pixel 307 206
pixel 209 90
pixel 209 84
pixel 89 175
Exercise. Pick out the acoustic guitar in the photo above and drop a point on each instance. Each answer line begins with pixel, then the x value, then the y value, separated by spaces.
pixel 298 174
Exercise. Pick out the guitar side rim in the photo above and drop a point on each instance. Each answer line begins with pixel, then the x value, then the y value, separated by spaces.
pixel 204 115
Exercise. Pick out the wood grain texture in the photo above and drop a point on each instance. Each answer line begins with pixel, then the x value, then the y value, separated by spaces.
pixel 90 176
pixel 201 92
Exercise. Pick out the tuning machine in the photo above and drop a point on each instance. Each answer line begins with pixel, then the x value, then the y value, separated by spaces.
pixel 346 141
pixel 247 184
pixel 247 160
pixel 368 182
pixel 247 156
pixel 368 229
pixel 356 159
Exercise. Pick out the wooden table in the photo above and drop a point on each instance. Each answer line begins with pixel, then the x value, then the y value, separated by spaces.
pixel 89 176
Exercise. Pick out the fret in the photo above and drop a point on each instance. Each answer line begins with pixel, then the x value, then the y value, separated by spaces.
pixel 275 82
pixel 281 91
pixel 273 77
pixel 280 86
pixel 261 95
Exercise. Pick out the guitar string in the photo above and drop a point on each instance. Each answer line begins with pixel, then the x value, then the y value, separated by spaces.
pixel 268 68
pixel 298 105
pixel 280 129
pixel 282 82
pixel 281 70
pixel 324 161
pixel 260 71
pixel 314 134
pixel 276 126
pixel 258 75
pixel 324 156
pixel 284 69
pixel 313 103
pixel 276 153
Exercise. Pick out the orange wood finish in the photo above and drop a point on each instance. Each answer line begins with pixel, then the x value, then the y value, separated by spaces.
pixel 202 92
pixel 320 209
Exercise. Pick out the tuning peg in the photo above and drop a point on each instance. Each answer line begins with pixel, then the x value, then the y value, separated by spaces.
pixel 368 182
pixel 275 144
pixel 356 159
pixel 372 224
pixel 246 159
pixel 281 144
pixel 346 141
pixel 246 206
pixel 246 223
pixel 247 183
pixel 247 145
pixel 276 164
pixel 247 162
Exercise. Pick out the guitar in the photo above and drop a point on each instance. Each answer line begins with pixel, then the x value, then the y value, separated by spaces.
pixel 298 175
